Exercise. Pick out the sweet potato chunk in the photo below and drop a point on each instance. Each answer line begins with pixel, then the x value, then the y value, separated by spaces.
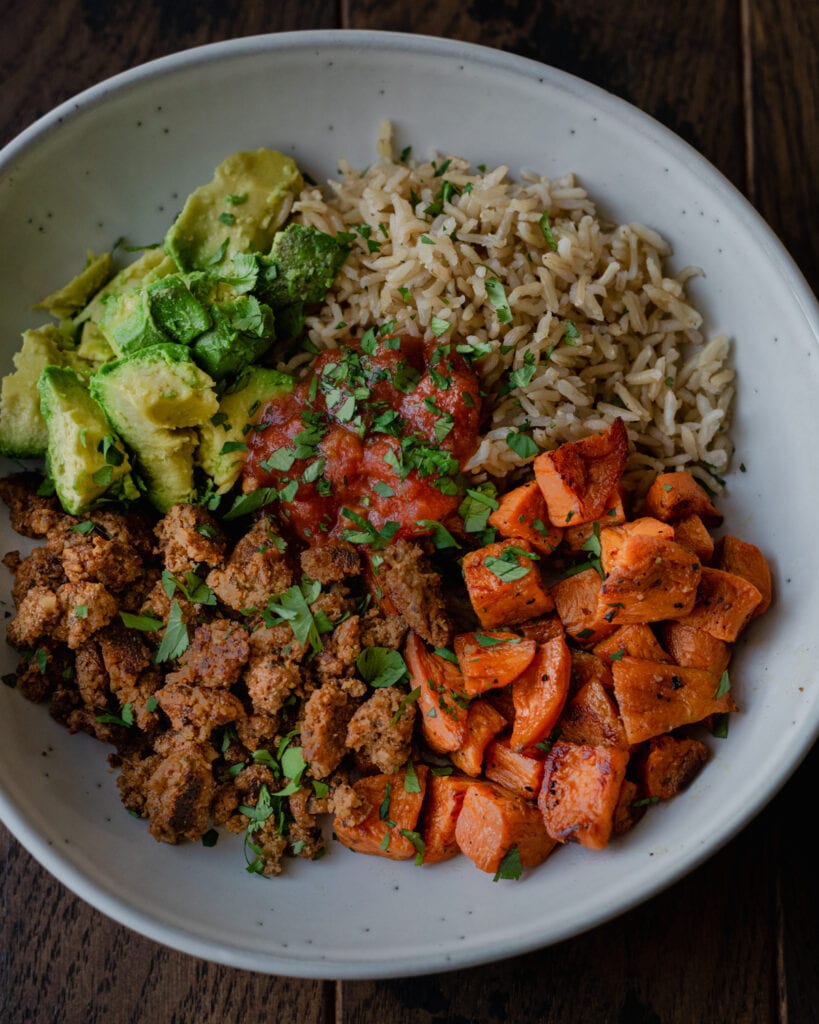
pixel 588 667
pixel 670 764
pixel 693 534
pixel 578 478
pixel 637 640
pixel 649 579
pixel 540 693
pixel 580 792
pixel 612 537
pixel 574 537
pixel 392 810
pixel 578 600
pixel 522 513
pixel 483 723
pixel 492 659
pixel 504 583
pixel 746 560
pixel 655 698
pixel 443 800
pixel 724 606
pixel 693 647
pixel 493 820
pixel 677 495
pixel 591 717
pixel 519 771
pixel 442 702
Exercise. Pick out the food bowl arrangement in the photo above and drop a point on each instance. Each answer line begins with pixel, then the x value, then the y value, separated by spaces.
pixel 119 163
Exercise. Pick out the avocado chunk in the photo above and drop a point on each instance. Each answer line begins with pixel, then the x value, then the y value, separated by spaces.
pixel 239 210
pixel 71 298
pixel 85 459
pixel 243 330
pixel 302 265
pixel 151 265
pixel 128 323
pixel 23 432
pixel 223 439
pixel 156 399
pixel 175 311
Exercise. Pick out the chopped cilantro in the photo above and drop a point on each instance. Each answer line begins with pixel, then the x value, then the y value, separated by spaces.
pixel 381 666
pixel 510 867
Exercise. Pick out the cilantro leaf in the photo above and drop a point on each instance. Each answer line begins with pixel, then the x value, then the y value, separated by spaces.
pixel 381 666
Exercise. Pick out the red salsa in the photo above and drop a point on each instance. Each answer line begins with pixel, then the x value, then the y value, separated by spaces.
pixel 371 441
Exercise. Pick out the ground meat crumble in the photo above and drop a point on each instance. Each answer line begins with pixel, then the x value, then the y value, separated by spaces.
pixel 174 642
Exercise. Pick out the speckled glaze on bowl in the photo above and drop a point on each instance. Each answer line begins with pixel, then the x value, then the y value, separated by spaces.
pixel 119 160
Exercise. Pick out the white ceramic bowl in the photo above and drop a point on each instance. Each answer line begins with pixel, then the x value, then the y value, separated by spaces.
pixel 118 160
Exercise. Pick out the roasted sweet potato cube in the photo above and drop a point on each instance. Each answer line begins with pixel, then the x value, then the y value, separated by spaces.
pixel 578 478
pixel 670 764
pixel 442 701
pixel 693 534
pixel 504 583
pixel 392 810
pixel 483 723
pixel 628 810
pixel 724 606
pixel 590 716
pixel 519 771
pixel 493 820
pixel 574 537
pixel 746 560
pixel 588 667
pixel 547 627
pixel 577 599
pixel 443 800
pixel 540 693
pixel 580 792
pixel 649 579
pixel 677 495
pixel 522 513
pixel 655 698
pixel 492 659
pixel 612 537
pixel 693 647
pixel 638 640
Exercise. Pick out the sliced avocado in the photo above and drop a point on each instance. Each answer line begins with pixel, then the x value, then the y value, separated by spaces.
pixel 302 265
pixel 71 298
pixel 23 432
pixel 128 324
pixel 239 210
pixel 151 265
pixel 156 399
pixel 175 310
pixel 84 458
pixel 93 349
pixel 243 330
pixel 222 440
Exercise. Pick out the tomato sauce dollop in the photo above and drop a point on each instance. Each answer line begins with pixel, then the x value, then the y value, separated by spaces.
pixel 379 428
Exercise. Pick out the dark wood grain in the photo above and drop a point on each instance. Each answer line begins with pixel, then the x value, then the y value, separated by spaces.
pixel 733 943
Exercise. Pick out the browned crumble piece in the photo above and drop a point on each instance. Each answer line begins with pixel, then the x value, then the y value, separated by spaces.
pixel 327 713
pixel 331 562
pixel 188 536
pixel 255 570
pixel 215 656
pixel 179 793
pixel 410 583
pixel 30 514
pixel 41 568
pixel 38 615
pixel 379 732
pixel 196 711
pixel 86 608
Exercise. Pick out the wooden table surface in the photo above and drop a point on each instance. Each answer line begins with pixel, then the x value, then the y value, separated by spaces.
pixel 736 941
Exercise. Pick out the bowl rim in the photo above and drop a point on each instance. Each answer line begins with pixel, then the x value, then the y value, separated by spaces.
pixel 15 817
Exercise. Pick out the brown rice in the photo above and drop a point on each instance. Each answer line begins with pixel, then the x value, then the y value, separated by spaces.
pixel 634 346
